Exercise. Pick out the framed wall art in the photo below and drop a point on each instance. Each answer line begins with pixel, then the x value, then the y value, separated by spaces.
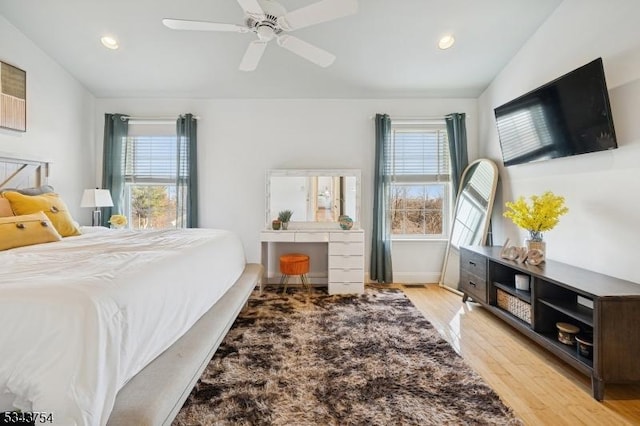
pixel 13 98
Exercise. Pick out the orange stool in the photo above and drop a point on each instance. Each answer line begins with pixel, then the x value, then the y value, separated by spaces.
pixel 294 264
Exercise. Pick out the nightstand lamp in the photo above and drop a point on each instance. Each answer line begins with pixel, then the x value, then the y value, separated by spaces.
pixel 96 198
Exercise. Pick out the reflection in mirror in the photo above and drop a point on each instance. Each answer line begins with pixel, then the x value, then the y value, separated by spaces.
pixel 314 196
pixel 471 216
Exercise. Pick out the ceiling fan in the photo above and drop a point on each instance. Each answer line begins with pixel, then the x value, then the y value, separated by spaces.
pixel 268 20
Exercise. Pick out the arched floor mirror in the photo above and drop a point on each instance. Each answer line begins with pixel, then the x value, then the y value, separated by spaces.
pixel 471 216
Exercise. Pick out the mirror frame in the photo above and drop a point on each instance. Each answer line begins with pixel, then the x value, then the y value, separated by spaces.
pixel 485 227
pixel 309 173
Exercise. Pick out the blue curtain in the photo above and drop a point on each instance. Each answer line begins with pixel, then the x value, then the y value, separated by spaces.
pixel 381 270
pixel 187 176
pixel 457 133
pixel 116 128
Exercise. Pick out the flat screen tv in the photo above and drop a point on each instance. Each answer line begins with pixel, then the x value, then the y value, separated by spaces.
pixel 568 116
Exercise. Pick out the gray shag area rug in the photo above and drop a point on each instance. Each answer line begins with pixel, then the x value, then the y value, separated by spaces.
pixel 315 359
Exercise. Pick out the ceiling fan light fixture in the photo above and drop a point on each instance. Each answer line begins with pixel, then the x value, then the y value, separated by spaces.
pixel 446 42
pixel 109 42
pixel 265 32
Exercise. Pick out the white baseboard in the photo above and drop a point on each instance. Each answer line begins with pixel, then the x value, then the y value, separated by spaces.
pixel 416 277
pixel 413 277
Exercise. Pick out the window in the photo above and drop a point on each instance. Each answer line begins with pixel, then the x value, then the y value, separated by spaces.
pixel 150 163
pixel 420 190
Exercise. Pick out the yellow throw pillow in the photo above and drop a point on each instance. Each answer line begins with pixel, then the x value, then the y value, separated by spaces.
pixel 26 230
pixel 51 204
pixel 5 208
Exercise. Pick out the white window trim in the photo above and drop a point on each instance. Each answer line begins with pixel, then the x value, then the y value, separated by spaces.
pixel 425 125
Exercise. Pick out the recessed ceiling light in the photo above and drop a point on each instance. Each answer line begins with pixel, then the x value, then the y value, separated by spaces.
pixel 109 42
pixel 446 42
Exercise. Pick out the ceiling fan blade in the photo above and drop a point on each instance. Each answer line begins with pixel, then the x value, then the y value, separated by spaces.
pixel 252 56
pixel 322 11
pixel 306 50
pixel 251 7
pixel 182 24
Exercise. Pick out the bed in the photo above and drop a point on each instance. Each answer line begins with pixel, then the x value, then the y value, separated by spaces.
pixel 114 326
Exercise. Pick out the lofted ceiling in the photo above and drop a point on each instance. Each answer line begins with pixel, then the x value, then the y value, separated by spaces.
pixel 387 50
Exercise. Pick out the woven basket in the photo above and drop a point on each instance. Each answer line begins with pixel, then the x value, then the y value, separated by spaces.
pixel 515 306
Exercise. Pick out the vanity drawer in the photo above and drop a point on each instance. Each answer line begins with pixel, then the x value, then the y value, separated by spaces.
pixel 279 236
pixel 347 236
pixel 346 261
pixel 311 237
pixel 337 248
pixel 473 263
pixel 346 275
pixel 346 288
pixel 474 286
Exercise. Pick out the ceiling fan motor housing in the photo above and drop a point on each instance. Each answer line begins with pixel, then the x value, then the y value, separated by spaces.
pixel 265 28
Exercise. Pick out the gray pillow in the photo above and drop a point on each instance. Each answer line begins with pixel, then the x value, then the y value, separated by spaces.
pixel 44 189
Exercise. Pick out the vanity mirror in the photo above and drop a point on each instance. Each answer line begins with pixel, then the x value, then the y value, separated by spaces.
pixel 471 216
pixel 317 197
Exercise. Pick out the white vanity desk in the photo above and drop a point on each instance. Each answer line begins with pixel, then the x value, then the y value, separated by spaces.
pixel 340 253
pixel 317 198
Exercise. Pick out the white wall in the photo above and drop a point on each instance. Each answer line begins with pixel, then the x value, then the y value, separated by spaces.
pixel 239 140
pixel 60 114
pixel 600 232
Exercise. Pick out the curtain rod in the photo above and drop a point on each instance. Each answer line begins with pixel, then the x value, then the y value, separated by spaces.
pixel 157 118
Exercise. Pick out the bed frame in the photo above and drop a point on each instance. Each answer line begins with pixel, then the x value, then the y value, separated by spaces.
pixel 156 394
pixel 20 173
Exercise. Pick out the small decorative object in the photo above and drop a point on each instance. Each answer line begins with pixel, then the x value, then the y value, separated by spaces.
pixel 541 215
pixel 118 221
pixel 522 282
pixel 535 257
pixel 585 345
pixel 275 224
pixel 532 257
pixel 567 333
pixel 521 254
pixel 346 222
pixel 508 251
pixel 284 216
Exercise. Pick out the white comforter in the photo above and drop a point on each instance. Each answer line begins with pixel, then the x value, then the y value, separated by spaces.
pixel 80 317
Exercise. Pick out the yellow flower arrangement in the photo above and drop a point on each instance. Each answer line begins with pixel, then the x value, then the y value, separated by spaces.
pixel 118 220
pixel 541 215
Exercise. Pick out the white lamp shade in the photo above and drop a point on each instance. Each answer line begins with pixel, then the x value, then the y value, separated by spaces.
pixel 96 198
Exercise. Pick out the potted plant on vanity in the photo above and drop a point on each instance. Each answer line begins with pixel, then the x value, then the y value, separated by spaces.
pixel 284 216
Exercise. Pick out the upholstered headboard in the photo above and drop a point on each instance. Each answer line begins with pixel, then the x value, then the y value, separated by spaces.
pixel 21 173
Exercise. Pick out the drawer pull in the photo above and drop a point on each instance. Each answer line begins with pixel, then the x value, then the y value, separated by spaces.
pixel 472 284
pixel 472 263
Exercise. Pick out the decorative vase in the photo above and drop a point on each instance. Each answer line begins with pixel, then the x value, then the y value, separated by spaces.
pixel 345 222
pixel 275 224
pixel 285 225
pixel 535 241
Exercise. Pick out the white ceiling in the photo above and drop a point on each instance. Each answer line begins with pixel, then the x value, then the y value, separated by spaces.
pixel 387 50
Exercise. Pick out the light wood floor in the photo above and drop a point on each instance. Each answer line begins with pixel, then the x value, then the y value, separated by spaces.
pixel 540 388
